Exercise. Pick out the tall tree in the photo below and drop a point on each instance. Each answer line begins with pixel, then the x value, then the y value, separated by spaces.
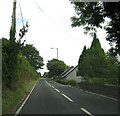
pixel 91 15
pixel 12 48
pixel 32 55
pixel 94 62
pixel 56 67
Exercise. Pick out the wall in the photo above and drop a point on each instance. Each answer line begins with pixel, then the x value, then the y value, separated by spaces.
pixel 73 75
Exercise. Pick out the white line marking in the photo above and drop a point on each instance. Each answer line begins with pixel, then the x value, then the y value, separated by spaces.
pixel 47 83
pixel 101 95
pixel 57 90
pixel 67 97
pixel 52 86
pixel 86 111
pixel 17 112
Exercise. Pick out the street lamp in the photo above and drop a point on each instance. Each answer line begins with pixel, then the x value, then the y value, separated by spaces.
pixel 57 51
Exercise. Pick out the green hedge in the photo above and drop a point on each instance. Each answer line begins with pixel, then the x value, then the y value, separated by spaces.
pixel 67 82
pixel 26 76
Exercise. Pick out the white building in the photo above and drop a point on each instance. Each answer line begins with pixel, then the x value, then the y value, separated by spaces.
pixel 71 74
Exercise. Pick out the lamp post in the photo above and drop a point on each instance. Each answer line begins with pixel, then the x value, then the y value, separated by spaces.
pixel 57 51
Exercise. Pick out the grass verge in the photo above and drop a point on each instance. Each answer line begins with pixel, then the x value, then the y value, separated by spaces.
pixel 12 98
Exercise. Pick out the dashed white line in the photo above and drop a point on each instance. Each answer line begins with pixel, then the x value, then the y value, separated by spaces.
pixel 67 97
pixel 52 86
pixel 57 90
pixel 60 92
pixel 86 112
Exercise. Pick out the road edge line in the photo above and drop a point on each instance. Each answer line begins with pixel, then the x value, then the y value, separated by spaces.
pixel 95 94
pixel 23 103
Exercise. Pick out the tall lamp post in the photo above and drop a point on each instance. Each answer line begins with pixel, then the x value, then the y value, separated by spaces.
pixel 57 51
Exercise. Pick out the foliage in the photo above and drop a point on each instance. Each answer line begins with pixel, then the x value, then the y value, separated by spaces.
pixel 11 99
pixel 91 15
pixel 93 62
pixel 71 82
pixel 66 82
pixel 25 75
pixel 32 55
pixel 11 49
pixel 45 75
pixel 56 67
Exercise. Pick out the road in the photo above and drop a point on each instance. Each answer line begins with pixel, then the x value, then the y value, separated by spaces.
pixel 49 97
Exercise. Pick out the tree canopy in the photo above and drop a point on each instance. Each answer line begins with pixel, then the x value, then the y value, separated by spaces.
pixel 91 15
pixel 32 55
pixel 56 67
pixel 93 62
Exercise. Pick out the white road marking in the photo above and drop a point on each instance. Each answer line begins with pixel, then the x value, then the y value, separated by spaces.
pixel 47 83
pixel 86 112
pixel 101 95
pixel 17 112
pixel 67 97
pixel 57 90
pixel 52 86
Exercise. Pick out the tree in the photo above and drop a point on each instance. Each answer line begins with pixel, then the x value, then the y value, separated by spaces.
pixel 45 75
pixel 32 55
pixel 56 67
pixel 94 62
pixel 11 48
pixel 91 15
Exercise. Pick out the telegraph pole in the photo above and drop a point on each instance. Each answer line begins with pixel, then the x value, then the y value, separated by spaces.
pixel 13 25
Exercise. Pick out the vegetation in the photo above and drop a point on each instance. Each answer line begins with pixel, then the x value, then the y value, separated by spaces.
pixel 56 67
pixel 12 99
pixel 25 77
pixel 18 76
pixel 32 55
pixel 91 15
pixel 97 65
pixel 45 75
pixel 66 82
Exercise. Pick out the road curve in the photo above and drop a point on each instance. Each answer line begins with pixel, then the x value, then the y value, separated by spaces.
pixel 49 97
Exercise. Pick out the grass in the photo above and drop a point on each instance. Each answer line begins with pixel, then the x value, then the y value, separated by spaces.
pixel 11 98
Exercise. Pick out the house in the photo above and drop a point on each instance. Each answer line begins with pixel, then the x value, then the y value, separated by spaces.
pixel 71 74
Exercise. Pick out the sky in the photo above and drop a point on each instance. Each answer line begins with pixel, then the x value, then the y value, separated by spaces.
pixel 50 27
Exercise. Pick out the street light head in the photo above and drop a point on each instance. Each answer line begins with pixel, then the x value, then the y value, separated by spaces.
pixel 51 48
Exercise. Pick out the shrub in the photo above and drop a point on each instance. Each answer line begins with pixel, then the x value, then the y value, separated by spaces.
pixel 69 82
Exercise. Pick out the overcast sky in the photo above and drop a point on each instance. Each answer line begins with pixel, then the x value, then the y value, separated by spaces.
pixel 50 26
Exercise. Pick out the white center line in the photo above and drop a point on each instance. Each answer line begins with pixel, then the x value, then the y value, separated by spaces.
pixel 67 97
pixel 86 111
pixel 52 86
pixel 57 90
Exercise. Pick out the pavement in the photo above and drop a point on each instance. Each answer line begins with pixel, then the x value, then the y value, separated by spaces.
pixel 49 97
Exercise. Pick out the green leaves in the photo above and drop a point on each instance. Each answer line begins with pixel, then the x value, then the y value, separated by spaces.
pixel 56 67
pixel 93 62
pixel 92 14
pixel 32 55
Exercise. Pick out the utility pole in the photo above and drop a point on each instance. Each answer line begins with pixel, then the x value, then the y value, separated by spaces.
pixel 13 25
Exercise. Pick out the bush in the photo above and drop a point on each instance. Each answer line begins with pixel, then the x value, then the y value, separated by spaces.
pixel 68 82
pixel 72 82
pixel 102 81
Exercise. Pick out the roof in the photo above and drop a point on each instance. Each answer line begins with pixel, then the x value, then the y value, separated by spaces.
pixel 68 71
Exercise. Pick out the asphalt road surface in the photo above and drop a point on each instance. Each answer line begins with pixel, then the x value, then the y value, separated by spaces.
pixel 49 97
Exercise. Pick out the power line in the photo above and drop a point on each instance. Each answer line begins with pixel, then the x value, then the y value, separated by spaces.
pixel 56 23
pixel 22 19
